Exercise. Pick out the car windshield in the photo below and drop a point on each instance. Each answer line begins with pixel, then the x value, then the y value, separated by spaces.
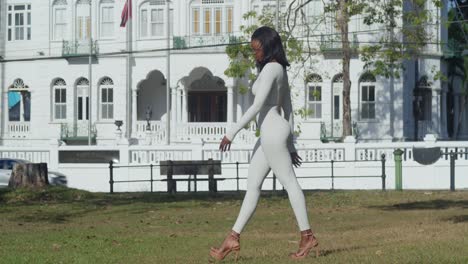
pixel 10 164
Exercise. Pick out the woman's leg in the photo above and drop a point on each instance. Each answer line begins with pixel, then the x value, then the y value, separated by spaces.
pixel 258 170
pixel 279 159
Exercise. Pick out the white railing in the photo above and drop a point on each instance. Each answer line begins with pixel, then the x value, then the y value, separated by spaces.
pixel 322 154
pixel 19 129
pixel 154 127
pixel 374 151
pixel 209 132
pixel 31 155
pixel 234 155
pixel 152 156
pixel 212 132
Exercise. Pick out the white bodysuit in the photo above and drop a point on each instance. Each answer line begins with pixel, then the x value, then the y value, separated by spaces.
pixel 272 151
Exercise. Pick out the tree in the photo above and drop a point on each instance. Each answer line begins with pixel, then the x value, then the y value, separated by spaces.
pixel 404 38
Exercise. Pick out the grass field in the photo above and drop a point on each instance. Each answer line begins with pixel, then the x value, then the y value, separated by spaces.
pixel 69 226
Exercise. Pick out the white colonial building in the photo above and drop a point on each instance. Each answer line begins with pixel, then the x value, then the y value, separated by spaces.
pixel 47 89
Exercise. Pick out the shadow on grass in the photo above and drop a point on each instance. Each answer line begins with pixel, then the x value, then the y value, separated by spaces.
pixel 326 252
pixel 58 195
pixel 458 219
pixel 54 217
pixel 424 205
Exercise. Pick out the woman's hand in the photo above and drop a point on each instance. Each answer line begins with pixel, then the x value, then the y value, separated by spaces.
pixel 296 160
pixel 225 144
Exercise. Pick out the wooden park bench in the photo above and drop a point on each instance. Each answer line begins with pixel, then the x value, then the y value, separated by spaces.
pixel 172 168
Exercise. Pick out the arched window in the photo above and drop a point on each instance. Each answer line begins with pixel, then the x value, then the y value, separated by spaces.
pixel 106 87
pixel 314 96
pixel 59 12
pixel 367 98
pixel 337 83
pixel 106 18
pixel 19 102
pixel 212 17
pixel 60 99
pixel 82 99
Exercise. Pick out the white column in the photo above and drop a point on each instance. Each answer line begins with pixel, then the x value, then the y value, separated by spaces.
pixel 443 117
pixel 229 104
pixel 436 112
pixel 184 105
pixel 134 119
pixel 174 105
pixel 179 105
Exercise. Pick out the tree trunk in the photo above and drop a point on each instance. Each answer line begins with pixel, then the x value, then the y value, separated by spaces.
pixel 343 25
pixel 29 175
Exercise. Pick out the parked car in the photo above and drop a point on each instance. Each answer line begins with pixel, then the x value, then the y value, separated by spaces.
pixel 6 168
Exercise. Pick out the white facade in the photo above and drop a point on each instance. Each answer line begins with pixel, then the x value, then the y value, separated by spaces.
pixel 45 82
pixel 381 108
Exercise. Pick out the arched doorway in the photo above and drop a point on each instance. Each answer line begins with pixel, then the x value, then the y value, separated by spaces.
pixel 206 96
pixel 151 97
pixel 337 103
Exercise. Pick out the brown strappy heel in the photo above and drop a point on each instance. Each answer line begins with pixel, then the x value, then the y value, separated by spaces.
pixel 308 242
pixel 231 243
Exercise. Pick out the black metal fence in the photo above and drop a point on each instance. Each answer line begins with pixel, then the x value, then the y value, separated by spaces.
pixel 331 176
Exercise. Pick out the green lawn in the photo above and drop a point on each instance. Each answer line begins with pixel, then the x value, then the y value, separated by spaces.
pixel 71 226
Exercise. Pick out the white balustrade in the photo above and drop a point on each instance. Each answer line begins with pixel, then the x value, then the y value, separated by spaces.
pixel 321 154
pixel 155 127
pixel 19 129
pixel 234 155
pixel 374 151
pixel 209 132
pixel 36 156
pixel 152 156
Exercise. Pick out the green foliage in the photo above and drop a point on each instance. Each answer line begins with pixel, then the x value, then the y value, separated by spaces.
pixel 243 89
pixel 242 61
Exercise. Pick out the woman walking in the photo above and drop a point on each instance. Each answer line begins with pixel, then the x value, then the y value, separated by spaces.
pixel 275 149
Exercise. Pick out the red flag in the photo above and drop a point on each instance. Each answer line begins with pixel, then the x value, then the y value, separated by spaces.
pixel 126 13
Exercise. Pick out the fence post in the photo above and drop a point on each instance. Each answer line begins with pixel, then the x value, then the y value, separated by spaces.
pixel 111 174
pixel 212 186
pixel 151 168
pixel 452 171
pixel 237 174
pixel 171 184
pixel 383 172
pixel 274 182
pixel 398 169
pixel 332 175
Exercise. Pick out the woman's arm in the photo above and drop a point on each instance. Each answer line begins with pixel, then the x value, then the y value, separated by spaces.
pixel 289 115
pixel 269 75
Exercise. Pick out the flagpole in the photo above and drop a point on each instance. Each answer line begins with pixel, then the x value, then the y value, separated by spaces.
pixel 90 71
pixel 168 76
pixel 129 71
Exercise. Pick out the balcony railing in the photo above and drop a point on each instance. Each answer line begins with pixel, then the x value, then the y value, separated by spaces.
pixel 183 42
pixel 333 43
pixel 75 48
pixel 334 132
pixel 76 131
pixel 186 132
pixel 212 132
pixel 19 129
